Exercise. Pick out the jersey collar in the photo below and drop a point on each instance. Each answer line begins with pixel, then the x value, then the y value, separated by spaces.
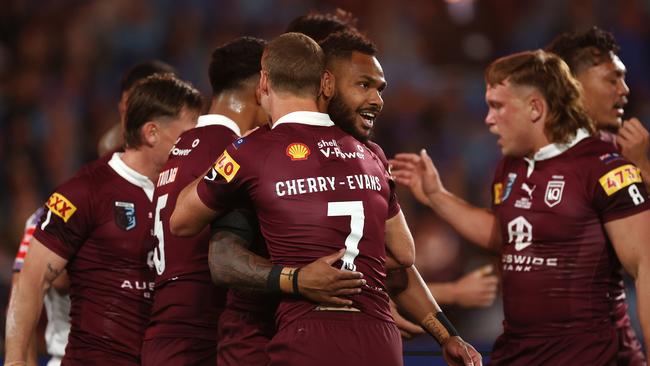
pixel 552 150
pixel 131 175
pixel 220 120
pixel 305 118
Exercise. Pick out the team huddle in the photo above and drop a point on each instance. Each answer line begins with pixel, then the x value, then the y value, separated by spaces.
pixel 268 231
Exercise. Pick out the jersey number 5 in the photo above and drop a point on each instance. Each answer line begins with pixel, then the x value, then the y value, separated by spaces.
pixel 159 251
pixel 354 209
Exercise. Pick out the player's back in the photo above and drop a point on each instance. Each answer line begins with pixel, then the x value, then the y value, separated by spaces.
pixel 186 302
pixel 315 190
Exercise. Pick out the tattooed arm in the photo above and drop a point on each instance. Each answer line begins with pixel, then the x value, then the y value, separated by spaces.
pixel 232 263
pixel 41 267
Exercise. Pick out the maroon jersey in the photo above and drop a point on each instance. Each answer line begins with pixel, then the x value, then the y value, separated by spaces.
pixel 557 262
pixel 315 190
pixel 186 302
pixel 99 221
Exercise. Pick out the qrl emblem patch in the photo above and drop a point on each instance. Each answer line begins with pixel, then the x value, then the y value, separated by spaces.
pixel 226 166
pixel 298 151
pixel 61 206
pixel 619 178
pixel 553 194
pixel 124 214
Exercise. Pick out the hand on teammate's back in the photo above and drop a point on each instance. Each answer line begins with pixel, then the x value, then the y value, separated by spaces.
pixel 322 283
pixel 457 352
pixel 417 172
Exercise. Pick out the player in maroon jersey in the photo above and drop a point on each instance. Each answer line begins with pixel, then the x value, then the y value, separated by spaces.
pixel 301 216
pixel 593 59
pixel 57 301
pixel 95 226
pixel 566 210
pixel 187 306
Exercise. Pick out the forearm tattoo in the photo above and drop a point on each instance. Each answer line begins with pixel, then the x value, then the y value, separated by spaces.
pixel 232 264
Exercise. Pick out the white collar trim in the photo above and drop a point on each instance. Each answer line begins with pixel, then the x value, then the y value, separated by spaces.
pixel 552 150
pixel 218 119
pixel 131 175
pixel 305 118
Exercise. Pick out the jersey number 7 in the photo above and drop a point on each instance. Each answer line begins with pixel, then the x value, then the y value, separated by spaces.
pixel 354 209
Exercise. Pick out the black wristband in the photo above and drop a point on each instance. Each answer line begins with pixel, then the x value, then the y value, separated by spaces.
pixel 447 324
pixel 296 291
pixel 273 280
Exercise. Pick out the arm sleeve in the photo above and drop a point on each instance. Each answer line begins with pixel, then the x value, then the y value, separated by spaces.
pixel 221 188
pixel 67 221
pixel 618 190
pixel 393 201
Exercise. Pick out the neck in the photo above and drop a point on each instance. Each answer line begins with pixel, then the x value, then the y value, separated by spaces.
pixel 238 108
pixel 142 161
pixel 283 105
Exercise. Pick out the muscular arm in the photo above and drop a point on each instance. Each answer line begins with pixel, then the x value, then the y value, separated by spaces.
pixel 32 357
pixel 477 225
pixel 190 215
pixel 399 240
pixel 232 263
pixel 630 237
pixel 41 267
pixel 416 300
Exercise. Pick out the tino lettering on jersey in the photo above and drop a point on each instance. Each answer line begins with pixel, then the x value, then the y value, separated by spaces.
pixel 61 206
pixel 226 166
pixel 323 184
pixel 619 178
pixel 167 176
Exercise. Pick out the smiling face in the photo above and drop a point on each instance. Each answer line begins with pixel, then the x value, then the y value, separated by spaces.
pixel 357 101
pixel 509 117
pixel 605 92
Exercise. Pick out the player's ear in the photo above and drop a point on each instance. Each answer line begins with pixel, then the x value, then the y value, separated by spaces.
pixel 150 133
pixel 327 84
pixel 264 83
pixel 537 107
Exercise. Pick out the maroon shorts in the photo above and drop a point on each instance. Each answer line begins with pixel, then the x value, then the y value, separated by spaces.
pixel 179 352
pixel 594 348
pixel 323 338
pixel 243 338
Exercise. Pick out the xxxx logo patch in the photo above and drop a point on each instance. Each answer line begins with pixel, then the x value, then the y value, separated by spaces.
pixel 61 206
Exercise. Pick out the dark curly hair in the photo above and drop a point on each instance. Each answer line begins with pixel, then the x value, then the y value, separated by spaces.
pixel 234 62
pixel 142 71
pixel 584 49
pixel 342 44
pixel 318 25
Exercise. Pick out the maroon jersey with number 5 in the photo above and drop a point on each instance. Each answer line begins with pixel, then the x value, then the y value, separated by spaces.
pixel 558 263
pixel 99 221
pixel 315 190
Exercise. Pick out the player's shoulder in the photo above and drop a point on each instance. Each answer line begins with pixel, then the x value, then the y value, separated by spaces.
pixel 595 154
pixel 255 141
